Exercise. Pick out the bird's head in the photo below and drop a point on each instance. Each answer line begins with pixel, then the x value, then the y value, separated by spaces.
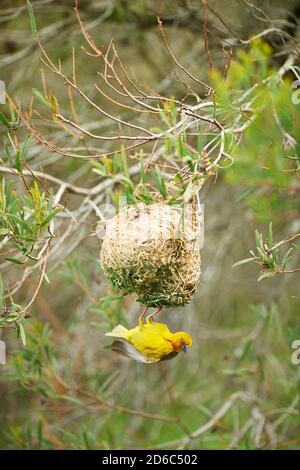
pixel 181 341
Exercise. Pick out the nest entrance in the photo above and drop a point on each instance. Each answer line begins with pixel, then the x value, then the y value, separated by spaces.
pixel 152 251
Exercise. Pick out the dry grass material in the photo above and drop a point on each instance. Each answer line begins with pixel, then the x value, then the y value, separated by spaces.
pixel 153 251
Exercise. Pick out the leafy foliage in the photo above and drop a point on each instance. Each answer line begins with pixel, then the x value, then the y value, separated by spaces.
pixel 63 388
pixel 268 255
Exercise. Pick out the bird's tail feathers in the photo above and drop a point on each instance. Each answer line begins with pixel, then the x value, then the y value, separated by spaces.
pixel 118 332
pixel 129 351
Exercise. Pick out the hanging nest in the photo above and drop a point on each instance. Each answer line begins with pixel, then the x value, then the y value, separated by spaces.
pixel 152 251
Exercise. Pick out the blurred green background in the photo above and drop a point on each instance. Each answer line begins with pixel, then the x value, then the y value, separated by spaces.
pixel 66 389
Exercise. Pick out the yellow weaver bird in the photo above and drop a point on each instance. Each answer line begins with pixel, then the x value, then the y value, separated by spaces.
pixel 149 342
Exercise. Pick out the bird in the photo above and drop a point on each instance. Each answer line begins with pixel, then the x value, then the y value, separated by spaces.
pixel 149 342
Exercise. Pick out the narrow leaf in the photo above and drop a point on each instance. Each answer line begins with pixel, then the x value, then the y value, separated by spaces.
pixel 42 100
pixel 270 234
pixel 4 121
pixel 32 21
pixel 243 261
pixel 263 256
pixel 18 161
pixel 124 163
pixel 287 257
pixel 26 146
pixel 8 154
pixel 265 275
pixel 14 260
pixel 50 216
pixel 22 334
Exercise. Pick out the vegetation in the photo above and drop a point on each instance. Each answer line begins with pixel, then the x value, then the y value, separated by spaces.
pixel 89 122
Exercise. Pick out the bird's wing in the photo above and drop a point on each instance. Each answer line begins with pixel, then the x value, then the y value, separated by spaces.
pixel 169 356
pixel 129 351
pixel 118 332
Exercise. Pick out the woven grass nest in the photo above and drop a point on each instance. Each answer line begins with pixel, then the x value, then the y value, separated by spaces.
pixel 152 251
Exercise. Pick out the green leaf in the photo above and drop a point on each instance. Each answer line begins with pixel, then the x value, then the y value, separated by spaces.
pixel 145 196
pixel 73 400
pixel 188 192
pixel 4 121
pixel 50 203
pixel 124 163
pixel 270 234
pixel 287 257
pixel 263 256
pixel 240 372
pixel 12 113
pixel 181 148
pixel 259 239
pixel 18 161
pixel 32 21
pixel 164 117
pixel 160 182
pixel 265 275
pixel 26 146
pixel 4 231
pixel 50 216
pixel 101 172
pixel 243 261
pixel 27 239
pixel 128 181
pixel 142 167
pixel 42 100
pixel 21 222
pixel 14 260
pixel 8 154
pixel 115 164
pixel 22 333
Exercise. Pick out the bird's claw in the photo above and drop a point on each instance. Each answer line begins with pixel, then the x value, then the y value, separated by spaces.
pixel 149 319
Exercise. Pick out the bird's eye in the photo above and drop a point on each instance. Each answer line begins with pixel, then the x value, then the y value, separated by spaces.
pixel 184 347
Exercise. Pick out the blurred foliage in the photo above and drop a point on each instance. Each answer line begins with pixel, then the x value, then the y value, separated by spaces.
pixel 37 372
pixel 64 389
pixel 25 218
pixel 266 161
pixel 268 255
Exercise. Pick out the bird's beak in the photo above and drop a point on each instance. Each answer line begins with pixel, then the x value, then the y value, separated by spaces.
pixel 184 347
